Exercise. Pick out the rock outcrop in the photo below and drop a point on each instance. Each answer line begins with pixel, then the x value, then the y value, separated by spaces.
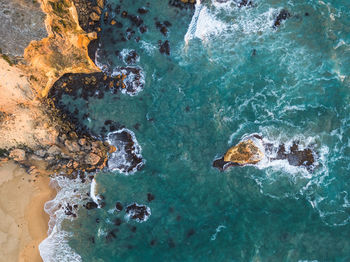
pixel 246 152
pixel 65 50
pixel 254 149
pixel 34 131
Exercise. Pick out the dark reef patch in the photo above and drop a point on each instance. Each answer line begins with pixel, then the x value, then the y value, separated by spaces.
pixel 137 212
pixel 282 15
pixel 119 206
pixel 182 4
pixel 127 157
pixel 164 47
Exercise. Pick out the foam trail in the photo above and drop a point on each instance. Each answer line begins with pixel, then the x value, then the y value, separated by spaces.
pixel 193 25
pixel 93 192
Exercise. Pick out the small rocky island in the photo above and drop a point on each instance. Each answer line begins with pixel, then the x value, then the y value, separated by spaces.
pixel 255 149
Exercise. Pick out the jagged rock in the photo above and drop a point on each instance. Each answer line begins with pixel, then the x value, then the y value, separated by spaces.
pixel 18 154
pixel 92 159
pixel 54 150
pixel 283 15
pixel 119 206
pixel 40 153
pixel 75 164
pixel 94 16
pixel 296 157
pixel 138 212
pixel 246 152
pixel 112 149
pixel 100 3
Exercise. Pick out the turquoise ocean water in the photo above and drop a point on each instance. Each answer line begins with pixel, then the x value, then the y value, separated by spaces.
pixel 229 74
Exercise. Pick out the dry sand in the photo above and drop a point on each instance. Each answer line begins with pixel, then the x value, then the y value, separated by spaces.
pixel 21 119
pixel 23 223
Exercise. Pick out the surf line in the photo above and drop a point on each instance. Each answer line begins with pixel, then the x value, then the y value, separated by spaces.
pixel 193 25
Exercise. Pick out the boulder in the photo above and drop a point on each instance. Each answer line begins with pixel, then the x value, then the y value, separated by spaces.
pixel 18 154
pixel 54 150
pixel 246 152
pixel 92 159
pixel 72 146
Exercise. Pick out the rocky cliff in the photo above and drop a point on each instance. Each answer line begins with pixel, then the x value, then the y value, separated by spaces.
pixel 33 131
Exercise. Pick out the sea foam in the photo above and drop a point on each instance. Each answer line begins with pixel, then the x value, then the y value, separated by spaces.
pixel 55 247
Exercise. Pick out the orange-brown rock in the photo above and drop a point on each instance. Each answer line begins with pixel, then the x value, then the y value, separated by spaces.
pixel 246 152
pixel 63 51
pixel 112 149
pixel 92 159
pixel 18 154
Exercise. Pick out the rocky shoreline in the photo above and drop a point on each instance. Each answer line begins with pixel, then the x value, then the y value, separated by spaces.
pixel 43 63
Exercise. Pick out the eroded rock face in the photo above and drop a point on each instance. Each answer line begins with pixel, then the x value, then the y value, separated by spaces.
pixel 246 152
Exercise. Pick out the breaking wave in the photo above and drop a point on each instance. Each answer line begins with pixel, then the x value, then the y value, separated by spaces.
pixel 71 194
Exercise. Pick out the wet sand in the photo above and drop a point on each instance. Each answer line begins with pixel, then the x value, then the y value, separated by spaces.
pixel 23 223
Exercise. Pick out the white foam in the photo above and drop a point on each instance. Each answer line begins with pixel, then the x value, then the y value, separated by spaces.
pixel 55 247
pixel 214 20
pixel 137 86
pixel 125 52
pixel 118 158
pixel 217 230
pixel 132 213
pixel 149 48
pixel 203 24
pixel 94 192
pixel 98 63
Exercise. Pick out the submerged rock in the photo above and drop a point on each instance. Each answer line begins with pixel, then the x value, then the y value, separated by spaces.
pixel 283 15
pixel 91 205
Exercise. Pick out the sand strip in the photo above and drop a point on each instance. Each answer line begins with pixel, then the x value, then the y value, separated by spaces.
pixel 23 223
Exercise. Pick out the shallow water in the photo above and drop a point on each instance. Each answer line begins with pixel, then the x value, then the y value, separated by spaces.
pixel 229 74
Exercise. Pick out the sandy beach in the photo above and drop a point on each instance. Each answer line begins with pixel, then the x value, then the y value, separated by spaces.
pixel 23 223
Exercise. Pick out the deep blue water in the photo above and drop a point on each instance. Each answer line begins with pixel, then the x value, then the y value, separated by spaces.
pixel 235 76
